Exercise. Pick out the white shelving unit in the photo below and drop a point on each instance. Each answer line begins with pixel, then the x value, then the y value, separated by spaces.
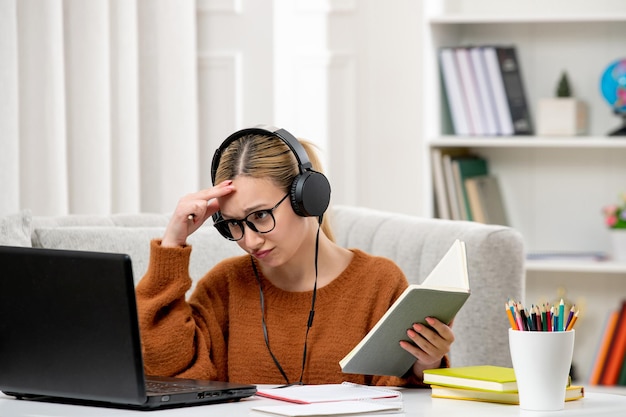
pixel 553 187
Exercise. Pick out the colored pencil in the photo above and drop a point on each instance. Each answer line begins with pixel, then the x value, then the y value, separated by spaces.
pixel 570 325
pixel 544 319
pixel 549 317
pixel 570 316
pixel 509 314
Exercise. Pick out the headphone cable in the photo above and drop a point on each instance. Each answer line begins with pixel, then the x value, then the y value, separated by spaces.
pixel 313 297
pixel 309 321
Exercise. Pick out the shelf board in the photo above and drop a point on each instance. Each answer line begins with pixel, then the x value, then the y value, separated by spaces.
pixel 455 19
pixel 604 267
pixel 597 142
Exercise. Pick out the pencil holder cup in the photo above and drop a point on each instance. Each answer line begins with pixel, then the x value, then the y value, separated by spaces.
pixel 542 362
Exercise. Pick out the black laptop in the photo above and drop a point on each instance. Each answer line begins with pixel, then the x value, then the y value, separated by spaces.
pixel 69 332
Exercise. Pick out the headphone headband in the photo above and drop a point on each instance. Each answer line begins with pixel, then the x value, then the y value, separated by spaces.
pixel 294 144
pixel 310 190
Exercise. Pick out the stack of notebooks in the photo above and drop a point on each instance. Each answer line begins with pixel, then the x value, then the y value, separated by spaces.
pixel 482 383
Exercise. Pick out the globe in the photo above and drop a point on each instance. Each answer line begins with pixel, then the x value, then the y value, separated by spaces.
pixel 613 88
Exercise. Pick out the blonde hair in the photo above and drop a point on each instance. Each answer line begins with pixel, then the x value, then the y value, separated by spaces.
pixel 267 157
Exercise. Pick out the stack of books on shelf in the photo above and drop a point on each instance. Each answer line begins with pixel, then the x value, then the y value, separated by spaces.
pixel 609 366
pixel 484 91
pixel 465 189
pixel 482 383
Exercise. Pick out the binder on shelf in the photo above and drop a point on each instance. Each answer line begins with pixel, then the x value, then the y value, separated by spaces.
pixel 454 92
pixel 488 106
pixel 617 351
pixel 439 185
pixel 464 167
pixel 453 196
pixel 485 200
pixel 602 350
pixel 440 180
pixel 470 88
pixel 506 80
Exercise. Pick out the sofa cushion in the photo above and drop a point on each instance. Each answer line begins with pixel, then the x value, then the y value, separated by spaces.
pixel 15 229
pixel 208 247
pixel 119 219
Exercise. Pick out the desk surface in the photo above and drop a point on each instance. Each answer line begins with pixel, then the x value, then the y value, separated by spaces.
pixel 417 402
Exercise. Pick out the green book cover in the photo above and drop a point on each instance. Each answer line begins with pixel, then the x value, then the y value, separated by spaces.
pixel 465 167
pixel 441 295
pixel 622 376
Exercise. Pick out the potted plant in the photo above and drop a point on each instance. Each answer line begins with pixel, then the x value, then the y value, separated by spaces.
pixel 562 115
pixel 615 220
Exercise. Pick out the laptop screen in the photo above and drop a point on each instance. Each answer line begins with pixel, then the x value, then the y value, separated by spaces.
pixel 69 328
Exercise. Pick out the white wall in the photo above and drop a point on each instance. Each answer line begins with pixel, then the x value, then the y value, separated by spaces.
pixel 343 74
pixel 120 104
pixel 386 41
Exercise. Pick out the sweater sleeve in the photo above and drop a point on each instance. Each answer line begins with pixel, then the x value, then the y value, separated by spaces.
pixel 178 339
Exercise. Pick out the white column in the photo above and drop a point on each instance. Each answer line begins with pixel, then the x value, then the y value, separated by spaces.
pixel 9 139
pixel 125 180
pixel 88 105
pixel 42 107
pixel 301 63
pixel 168 97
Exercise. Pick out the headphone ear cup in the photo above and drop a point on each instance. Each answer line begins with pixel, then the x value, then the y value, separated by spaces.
pixel 310 194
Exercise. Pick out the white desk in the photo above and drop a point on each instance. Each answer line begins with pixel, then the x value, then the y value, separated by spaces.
pixel 417 402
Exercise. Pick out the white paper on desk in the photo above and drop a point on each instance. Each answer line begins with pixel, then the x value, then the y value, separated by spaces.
pixel 346 391
pixel 341 408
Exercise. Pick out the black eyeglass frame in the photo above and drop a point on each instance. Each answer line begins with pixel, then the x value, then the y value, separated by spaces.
pixel 224 230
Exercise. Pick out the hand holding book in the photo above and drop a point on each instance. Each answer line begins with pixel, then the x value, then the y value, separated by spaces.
pixel 441 295
pixel 429 343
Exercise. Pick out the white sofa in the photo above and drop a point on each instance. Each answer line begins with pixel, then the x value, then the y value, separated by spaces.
pixel 495 257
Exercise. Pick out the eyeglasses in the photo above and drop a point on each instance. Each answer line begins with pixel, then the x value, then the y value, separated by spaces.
pixel 260 221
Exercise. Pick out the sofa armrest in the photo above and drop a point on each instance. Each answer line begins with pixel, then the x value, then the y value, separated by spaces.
pixel 495 257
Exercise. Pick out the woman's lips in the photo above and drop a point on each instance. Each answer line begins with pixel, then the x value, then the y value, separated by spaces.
pixel 261 254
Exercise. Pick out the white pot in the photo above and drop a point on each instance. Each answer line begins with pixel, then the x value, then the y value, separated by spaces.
pixel 561 117
pixel 618 243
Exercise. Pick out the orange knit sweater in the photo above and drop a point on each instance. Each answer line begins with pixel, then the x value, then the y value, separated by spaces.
pixel 218 334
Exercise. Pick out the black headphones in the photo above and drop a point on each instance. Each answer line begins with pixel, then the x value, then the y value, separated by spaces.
pixel 310 190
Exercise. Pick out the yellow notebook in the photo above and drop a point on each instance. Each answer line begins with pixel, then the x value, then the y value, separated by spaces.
pixel 573 392
pixel 483 377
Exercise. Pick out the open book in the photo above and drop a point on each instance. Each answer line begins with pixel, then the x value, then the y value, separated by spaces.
pixel 441 295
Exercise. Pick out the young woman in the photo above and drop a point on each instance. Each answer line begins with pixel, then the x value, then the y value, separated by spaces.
pixel 291 308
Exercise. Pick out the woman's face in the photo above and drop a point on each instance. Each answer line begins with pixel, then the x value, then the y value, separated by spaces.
pixel 274 248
